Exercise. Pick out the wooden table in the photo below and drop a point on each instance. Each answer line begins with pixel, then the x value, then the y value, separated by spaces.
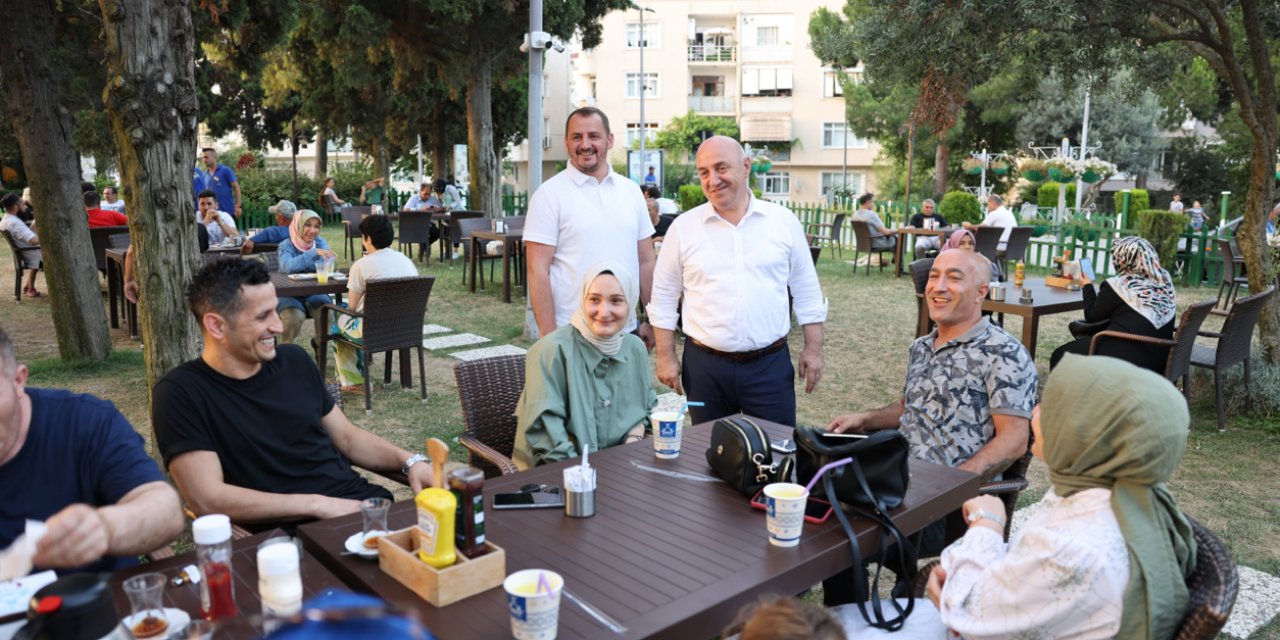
pixel 115 292
pixel 667 557
pixel 511 243
pixel 316 579
pixel 902 240
pixel 289 288
pixel 1046 300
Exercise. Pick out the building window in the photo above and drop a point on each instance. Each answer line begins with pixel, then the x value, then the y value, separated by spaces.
pixel 652 35
pixel 766 81
pixel 767 36
pixel 834 134
pixel 833 180
pixel 777 183
pixel 633 133
pixel 650 85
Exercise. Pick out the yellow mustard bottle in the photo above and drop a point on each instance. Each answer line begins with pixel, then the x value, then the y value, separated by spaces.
pixel 436 509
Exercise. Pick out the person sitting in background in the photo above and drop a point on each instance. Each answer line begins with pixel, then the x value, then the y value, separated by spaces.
pixel 882 238
pixel 283 211
pixel 665 214
pixel 23 237
pixel 219 224
pixel 964 239
pixel 329 200
pixel 420 200
pixel 425 200
pixel 110 201
pixel 27 212
pixel 300 254
pixel 371 192
pixel 379 261
pixel 74 462
pixel 588 383
pixel 997 216
pixel 99 217
pixel 448 197
pixel 926 245
pixel 1139 299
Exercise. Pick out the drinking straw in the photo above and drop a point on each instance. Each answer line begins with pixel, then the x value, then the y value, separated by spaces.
pixel 830 465
pixel 686 405
pixel 544 586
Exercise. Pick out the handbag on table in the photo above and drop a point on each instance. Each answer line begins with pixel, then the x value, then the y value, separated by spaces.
pixel 740 455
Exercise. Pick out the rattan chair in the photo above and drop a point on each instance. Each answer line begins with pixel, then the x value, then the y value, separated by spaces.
pixel 464 229
pixel 1234 346
pixel 1232 278
pixel 453 231
pixel 986 240
pixel 1013 481
pixel 920 277
pixel 1178 365
pixel 488 391
pixel 415 228
pixel 19 267
pixel 1016 247
pixel 862 240
pixel 829 232
pixel 351 217
pixel 1212 587
pixel 391 319
pixel 100 237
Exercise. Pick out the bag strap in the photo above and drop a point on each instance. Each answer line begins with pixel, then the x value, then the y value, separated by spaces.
pixel 890 535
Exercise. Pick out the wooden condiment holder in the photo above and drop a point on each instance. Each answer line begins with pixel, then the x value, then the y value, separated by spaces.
pixel 398 558
pixel 1061 283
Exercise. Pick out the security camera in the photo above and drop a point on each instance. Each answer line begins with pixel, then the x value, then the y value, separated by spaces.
pixel 558 46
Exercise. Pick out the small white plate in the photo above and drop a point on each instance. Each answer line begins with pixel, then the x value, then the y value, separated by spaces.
pixel 340 277
pixel 177 618
pixel 355 544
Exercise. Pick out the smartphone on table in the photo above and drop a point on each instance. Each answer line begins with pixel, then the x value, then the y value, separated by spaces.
pixel 816 510
pixel 545 497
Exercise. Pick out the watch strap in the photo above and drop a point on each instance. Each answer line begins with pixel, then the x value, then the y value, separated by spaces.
pixel 983 514
pixel 410 461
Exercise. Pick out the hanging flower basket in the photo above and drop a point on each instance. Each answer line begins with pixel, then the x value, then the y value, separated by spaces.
pixel 1034 175
pixel 1090 177
pixel 999 167
pixel 1032 169
pixel 1058 174
pixel 971 165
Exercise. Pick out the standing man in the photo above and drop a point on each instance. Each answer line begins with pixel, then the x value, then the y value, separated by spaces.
pixel 109 200
pixel 997 216
pixel 735 259
pixel 585 215
pixel 650 180
pixel 218 178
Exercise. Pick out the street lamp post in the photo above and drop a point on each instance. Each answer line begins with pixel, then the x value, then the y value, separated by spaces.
pixel 644 132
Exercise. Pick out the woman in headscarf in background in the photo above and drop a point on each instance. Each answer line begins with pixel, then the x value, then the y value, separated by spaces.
pixel 588 383
pixel 960 239
pixel 1139 299
pixel 300 254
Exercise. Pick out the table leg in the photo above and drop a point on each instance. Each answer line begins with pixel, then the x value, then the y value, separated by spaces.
pixel 472 258
pixel 506 272
pixel 113 293
pixel 131 318
pixel 897 254
pixel 1030 326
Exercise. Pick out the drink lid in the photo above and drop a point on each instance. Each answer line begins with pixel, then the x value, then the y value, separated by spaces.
pixel 278 559
pixel 211 529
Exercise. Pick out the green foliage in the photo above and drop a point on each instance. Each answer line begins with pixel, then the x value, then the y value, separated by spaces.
pixel 1202 171
pixel 691 195
pixel 1047 194
pixel 685 133
pixel 1139 200
pixel 1162 229
pixel 677 174
pixel 960 206
pixel 261 188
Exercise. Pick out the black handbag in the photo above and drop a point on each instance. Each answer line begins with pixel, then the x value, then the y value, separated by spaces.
pixel 871 479
pixel 740 455
pixel 1081 328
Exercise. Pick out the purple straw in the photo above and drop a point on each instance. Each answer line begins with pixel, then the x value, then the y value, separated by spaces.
pixel 829 466
pixel 543 584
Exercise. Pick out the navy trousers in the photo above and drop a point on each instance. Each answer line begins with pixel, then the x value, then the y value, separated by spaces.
pixel 764 388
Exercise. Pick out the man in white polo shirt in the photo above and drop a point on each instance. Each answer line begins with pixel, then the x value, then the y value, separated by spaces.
pixel 585 215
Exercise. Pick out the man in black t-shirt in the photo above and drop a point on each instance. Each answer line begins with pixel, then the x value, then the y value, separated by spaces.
pixel 247 429
pixel 927 244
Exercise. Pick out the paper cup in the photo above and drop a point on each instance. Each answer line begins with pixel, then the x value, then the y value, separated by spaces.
pixel 784 508
pixel 535 615
pixel 667 430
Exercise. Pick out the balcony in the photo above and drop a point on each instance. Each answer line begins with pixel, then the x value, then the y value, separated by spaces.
pixel 712 53
pixel 766 104
pixel 712 104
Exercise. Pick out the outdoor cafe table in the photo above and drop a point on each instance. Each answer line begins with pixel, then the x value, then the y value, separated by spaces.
pixel 287 287
pixel 316 579
pixel 666 556
pixel 1046 300
pixel 909 230
pixel 510 244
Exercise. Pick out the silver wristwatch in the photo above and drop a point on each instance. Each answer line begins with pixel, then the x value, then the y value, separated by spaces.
pixel 410 461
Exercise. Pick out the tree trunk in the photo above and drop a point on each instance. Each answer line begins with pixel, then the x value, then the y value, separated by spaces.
pixel 1253 241
pixel 44 131
pixel 322 154
pixel 152 108
pixel 940 157
pixel 293 158
pixel 486 173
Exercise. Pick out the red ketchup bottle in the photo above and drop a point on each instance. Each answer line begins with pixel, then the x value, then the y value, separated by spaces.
pixel 213 553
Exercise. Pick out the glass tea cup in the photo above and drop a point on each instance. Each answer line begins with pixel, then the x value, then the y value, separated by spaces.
pixel 374 511
pixel 145 592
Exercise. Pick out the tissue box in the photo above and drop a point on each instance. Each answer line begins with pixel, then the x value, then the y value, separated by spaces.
pixel 398 558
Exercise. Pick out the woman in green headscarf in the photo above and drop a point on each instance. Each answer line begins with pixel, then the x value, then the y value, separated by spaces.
pixel 1106 553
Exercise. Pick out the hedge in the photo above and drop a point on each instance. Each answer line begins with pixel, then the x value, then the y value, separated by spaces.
pixel 1047 195
pixel 691 195
pixel 1139 200
pixel 960 206
pixel 1162 229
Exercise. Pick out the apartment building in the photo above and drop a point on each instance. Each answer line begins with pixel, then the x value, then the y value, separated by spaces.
pixel 744 59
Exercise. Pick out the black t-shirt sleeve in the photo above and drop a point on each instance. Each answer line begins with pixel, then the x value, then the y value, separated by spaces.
pixel 917 221
pixel 179 427
pixel 327 402
pixel 942 222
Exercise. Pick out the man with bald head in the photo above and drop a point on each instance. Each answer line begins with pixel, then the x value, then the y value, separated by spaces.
pixel 969 391
pixel 734 259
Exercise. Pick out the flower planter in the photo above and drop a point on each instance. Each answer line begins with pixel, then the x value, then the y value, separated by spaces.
pixel 999 170
pixel 1061 175
pixel 973 171
pixel 1034 175
pixel 1090 176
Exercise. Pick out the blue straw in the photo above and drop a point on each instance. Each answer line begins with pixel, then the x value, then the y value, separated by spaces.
pixel 686 405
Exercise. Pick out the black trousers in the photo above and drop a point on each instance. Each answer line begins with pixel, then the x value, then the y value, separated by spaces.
pixel 764 388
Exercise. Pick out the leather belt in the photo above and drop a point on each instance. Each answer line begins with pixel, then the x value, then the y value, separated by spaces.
pixel 739 357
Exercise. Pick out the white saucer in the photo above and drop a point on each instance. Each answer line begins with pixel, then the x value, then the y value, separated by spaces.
pixel 177 618
pixel 355 544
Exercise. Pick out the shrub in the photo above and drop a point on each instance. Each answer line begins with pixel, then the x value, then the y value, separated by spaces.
pixel 691 195
pixel 1162 229
pixel 1047 196
pixel 1139 200
pixel 960 206
pixel 261 188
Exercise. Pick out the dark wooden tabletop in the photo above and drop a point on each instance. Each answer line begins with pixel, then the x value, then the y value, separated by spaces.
pixel 1045 299
pixel 666 556
pixel 288 288
pixel 316 580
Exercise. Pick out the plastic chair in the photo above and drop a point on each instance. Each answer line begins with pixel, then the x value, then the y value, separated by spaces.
pixel 1234 345
pixel 351 217
pixel 18 266
pixel 489 391
pixel 1180 346
pixel 392 314
pixel 862 239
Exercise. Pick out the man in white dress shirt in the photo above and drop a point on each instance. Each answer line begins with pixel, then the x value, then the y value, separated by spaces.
pixel 734 259
pixel 583 216
pixel 997 216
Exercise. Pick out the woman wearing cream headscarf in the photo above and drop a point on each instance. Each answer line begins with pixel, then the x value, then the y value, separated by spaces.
pixel 588 383
pixel 300 254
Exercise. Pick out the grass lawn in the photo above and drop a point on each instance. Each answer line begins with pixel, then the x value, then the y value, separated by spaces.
pixel 1226 480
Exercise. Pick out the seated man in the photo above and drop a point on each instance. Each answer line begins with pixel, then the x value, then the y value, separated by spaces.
pixel 882 238
pixel 72 461
pixel 969 391
pixel 927 246
pixel 283 211
pixel 219 224
pixel 99 217
pixel 425 200
pixel 24 237
pixel 110 200
pixel 248 429
pixel 997 216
